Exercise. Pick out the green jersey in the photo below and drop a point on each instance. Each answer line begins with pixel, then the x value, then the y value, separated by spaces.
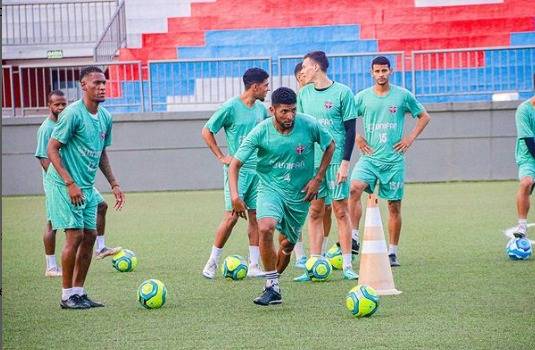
pixel 384 118
pixel 285 161
pixel 84 136
pixel 525 127
pixel 238 120
pixel 331 107
pixel 43 135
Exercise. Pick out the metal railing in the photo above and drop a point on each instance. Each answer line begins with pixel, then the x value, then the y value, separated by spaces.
pixel 473 72
pixel 124 88
pixel 8 90
pixel 58 22
pixel 113 37
pixel 204 83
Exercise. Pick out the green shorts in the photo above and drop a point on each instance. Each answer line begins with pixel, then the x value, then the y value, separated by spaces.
pixel 289 214
pixel 329 189
pixel 64 215
pixel 391 177
pixel 98 196
pixel 526 169
pixel 247 188
pixel 45 189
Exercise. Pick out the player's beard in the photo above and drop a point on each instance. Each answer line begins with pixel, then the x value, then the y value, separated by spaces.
pixel 287 125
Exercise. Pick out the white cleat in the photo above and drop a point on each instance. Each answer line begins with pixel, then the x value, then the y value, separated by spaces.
pixel 53 272
pixel 210 269
pixel 255 271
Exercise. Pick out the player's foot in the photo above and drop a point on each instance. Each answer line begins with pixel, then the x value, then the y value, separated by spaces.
pixel 303 278
pixel 53 272
pixel 255 271
pixel 210 269
pixel 90 302
pixel 300 263
pixel 520 232
pixel 74 302
pixel 349 274
pixel 355 246
pixel 393 260
pixel 104 252
pixel 269 297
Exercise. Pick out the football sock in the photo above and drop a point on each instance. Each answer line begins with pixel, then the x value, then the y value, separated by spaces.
pixel 254 254
pixel 272 280
pixel 78 290
pixel 216 253
pixel 51 261
pixel 355 234
pixel 347 261
pixel 66 293
pixel 393 249
pixel 299 250
pixel 324 245
pixel 523 224
pixel 100 243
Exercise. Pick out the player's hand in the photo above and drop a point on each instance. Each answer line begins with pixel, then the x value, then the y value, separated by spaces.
pixel 120 198
pixel 239 208
pixel 311 189
pixel 363 146
pixel 76 195
pixel 225 160
pixel 341 175
pixel 403 145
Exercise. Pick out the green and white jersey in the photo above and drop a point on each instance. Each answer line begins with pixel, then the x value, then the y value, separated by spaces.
pixel 331 107
pixel 384 118
pixel 238 120
pixel 83 136
pixel 285 161
pixel 525 127
pixel 43 135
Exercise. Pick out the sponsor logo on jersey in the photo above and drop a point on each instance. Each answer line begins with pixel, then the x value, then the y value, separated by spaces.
pixel 102 135
pixel 393 109
pixel 300 149
pixel 328 105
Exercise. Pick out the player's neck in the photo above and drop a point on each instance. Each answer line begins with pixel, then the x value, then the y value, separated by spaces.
pixel 91 106
pixel 52 117
pixel 381 90
pixel 280 129
pixel 247 99
pixel 322 82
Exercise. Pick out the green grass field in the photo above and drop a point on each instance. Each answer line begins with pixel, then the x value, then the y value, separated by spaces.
pixel 460 291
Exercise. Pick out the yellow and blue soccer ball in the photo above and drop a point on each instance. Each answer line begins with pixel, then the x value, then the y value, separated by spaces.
pixel 334 255
pixel 362 301
pixel 519 248
pixel 152 294
pixel 124 261
pixel 234 267
pixel 318 268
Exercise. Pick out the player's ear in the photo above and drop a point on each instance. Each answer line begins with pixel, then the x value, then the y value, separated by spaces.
pixel 272 110
pixel 83 84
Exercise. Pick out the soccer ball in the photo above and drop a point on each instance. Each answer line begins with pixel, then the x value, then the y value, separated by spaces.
pixel 152 294
pixel 334 255
pixel 519 248
pixel 362 301
pixel 234 267
pixel 124 261
pixel 318 268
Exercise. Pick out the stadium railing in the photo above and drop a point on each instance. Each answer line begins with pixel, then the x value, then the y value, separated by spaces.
pixel 8 90
pixel 113 37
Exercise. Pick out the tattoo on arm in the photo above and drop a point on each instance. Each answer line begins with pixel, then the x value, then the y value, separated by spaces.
pixel 105 167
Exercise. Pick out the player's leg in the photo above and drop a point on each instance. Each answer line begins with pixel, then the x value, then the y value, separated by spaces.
pixel 49 240
pixel 315 232
pixel 69 299
pixel 341 212
pixel 285 251
pixel 326 222
pixel 101 251
pixel 271 294
pixel 221 236
pixel 254 250
pixel 394 230
pixel 526 174
pixel 300 257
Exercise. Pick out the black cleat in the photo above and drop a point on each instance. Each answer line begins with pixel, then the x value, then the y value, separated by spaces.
pixel 355 246
pixel 90 302
pixel 269 297
pixel 74 302
pixel 393 260
pixel 519 234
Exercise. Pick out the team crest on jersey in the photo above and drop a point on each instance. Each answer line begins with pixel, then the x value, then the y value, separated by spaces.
pixel 393 109
pixel 300 149
pixel 328 105
pixel 102 135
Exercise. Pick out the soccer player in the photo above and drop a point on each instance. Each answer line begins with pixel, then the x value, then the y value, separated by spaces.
pixel 238 116
pixel 383 108
pixel 525 159
pixel 332 104
pixel 285 148
pixel 56 104
pixel 300 257
pixel 82 133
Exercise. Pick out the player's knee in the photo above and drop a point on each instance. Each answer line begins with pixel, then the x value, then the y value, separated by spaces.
pixel 355 190
pixel 526 183
pixel 328 209
pixel 316 213
pixel 287 247
pixel 265 230
pixel 231 219
pixel 102 208
pixel 394 208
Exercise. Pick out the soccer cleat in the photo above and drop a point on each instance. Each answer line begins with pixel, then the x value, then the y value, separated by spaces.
pixel 104 252
pixel 300 263
pixel 520 232
pixel 269 297
pixel 74 303
pixel 255 271
pixel 53 272
pixel 303 278
pixel 393 260
pixel 355 246
pixel 349 274
pixel 210 269
pixel 90 302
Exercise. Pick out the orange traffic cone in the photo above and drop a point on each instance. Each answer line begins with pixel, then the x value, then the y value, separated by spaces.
pixel 375 268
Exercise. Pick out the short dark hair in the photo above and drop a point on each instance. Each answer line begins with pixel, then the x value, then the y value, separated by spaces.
pixel 283 96
pixel 88 70
pixel 54 93
pixel 298 68
pixel 320 58
pixel 381 60
pixel 254 76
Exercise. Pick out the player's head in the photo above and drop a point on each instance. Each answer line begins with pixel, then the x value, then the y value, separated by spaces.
pixel 56 102
pixel 256 81
pixel 93 82
pixel 381 70
pixel 299 75
pixel 283 107
pixel 315 63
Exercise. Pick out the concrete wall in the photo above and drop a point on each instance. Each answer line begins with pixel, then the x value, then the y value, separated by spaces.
pixel 164 151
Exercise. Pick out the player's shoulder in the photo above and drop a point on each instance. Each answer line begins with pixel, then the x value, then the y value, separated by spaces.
pixel 104 113
pixel 260 105
pixel 400 90
pixel 342 87
pixel 526 107
pixel 365 92
pixel 305 119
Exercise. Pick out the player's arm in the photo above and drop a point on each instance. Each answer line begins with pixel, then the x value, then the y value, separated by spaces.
pixel 349 143
pixel 530 144
pixel 238 205
pixel 407 141
pixel 211 142
pixel 105 167
pixel 45 162
pixel 41 152
pixel 361 142
pixel 312 187
pixel 75 193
